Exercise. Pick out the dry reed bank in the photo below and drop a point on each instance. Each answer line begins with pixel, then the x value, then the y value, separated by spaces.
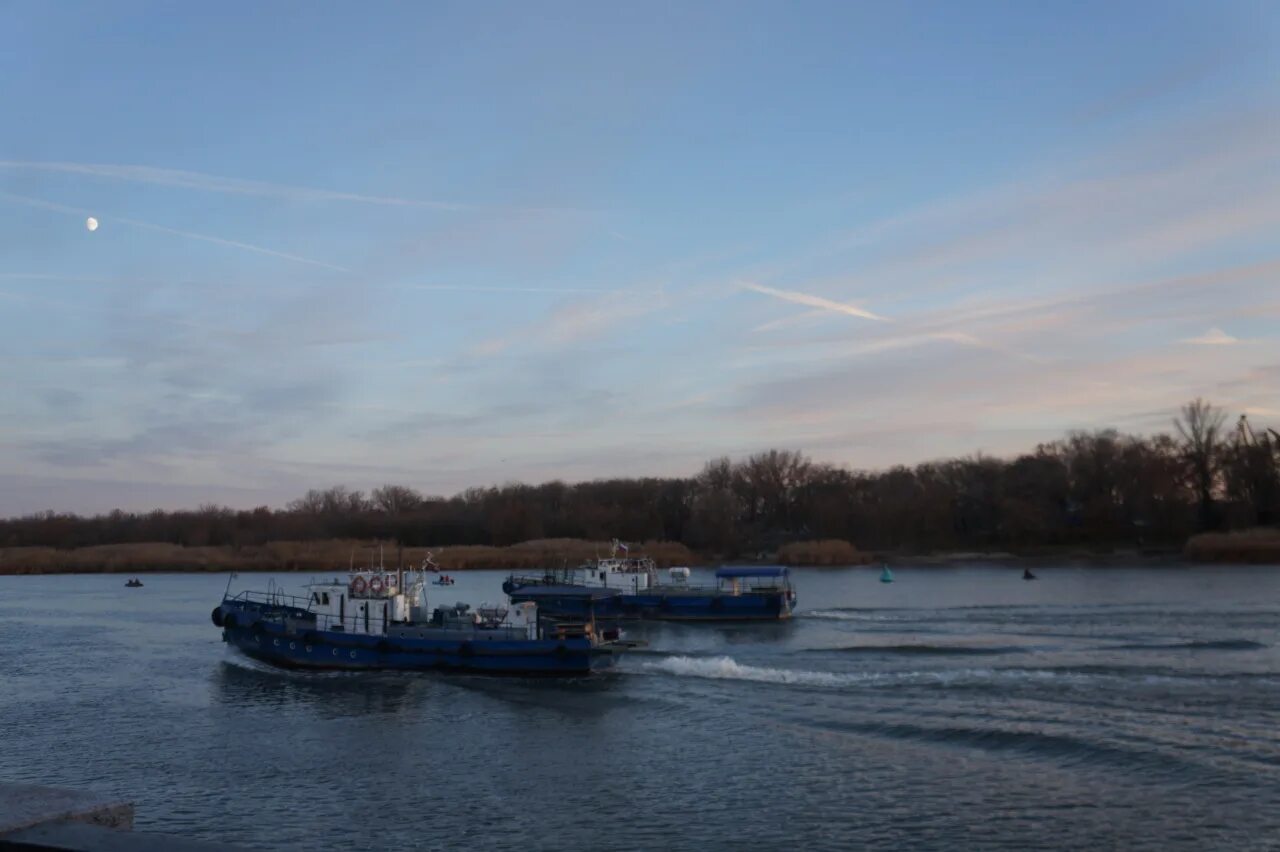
pixel 321 556
pixel 830 552
pixel 1259 546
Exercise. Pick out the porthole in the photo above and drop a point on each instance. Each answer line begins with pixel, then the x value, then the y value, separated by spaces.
pixel 353 655
pixel 275 642
pixel 308 649
pixel 335 652
pixel 293 646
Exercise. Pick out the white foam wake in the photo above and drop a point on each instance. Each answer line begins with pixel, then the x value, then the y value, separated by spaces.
pixel 843 615
pixel 727 668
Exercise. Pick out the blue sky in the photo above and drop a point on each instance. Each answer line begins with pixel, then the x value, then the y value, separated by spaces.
pixel 460 244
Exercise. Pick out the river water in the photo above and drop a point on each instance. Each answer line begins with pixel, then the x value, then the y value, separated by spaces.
pixel 956 708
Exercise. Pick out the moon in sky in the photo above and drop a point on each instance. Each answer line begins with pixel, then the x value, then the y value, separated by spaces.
pixel 91 223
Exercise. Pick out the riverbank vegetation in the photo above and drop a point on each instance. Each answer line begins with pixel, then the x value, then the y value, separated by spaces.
pixel 1091 491
pixel 828 552
pixel 320 557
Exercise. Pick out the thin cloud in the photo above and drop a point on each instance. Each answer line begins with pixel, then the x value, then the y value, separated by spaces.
pixel 107 220
pixel 45 276
pixel 787 322
pixel 1213 337
pixel 233 244
pixel 815 302
pixel 181 179
pixel 458 288
pixel 578 321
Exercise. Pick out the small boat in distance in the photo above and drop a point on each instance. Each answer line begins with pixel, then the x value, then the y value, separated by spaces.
pixel 134 583
pixel 886 576
pixel 442 581
pixel 1027 575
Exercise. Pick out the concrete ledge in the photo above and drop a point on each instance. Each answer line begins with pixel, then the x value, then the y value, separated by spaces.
pixel 25 806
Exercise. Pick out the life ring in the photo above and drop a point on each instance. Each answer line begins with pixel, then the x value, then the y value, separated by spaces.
pixel 358 585
pixel 375 585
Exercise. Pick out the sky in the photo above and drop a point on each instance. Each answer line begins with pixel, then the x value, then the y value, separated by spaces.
pixel 457 244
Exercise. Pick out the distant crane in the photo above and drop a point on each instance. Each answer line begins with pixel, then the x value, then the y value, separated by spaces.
pixel 1260 455
pixel 1250 439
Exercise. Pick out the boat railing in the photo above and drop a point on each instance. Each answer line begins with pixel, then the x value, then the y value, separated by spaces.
pixel 270 599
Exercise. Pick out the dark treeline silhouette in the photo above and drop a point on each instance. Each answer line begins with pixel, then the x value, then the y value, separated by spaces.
pixel 1089 489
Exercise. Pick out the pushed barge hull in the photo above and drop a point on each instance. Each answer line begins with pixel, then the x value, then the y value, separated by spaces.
pixel 741 594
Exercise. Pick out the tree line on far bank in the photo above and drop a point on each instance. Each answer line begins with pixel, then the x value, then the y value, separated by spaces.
pixel 1088 489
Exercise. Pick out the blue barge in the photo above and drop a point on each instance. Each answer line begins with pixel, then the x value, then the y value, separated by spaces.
pixel 740 594
pixel 376 620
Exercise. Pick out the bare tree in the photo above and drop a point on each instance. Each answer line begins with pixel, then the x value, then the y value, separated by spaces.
pixel 1200 427
pixel 331 501
pixel 395 499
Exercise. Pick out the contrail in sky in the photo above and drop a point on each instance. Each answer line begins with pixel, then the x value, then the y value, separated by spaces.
pixel 214 183
pixel 77 211
pixel 458 288
pixel 815 302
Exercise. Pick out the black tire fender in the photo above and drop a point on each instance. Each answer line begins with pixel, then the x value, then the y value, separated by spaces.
pixel 217 616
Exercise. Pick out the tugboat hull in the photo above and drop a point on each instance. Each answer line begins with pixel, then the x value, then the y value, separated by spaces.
pixel 297 646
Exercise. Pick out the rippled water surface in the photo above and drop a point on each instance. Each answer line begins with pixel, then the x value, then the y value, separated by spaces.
pixel 1113 708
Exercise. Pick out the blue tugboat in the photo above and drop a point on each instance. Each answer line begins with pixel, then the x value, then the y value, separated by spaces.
pixel 740 594
pixel 379 620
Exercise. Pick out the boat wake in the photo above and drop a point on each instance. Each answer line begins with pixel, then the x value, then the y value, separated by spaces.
pixel 846 615
pixel 727 668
